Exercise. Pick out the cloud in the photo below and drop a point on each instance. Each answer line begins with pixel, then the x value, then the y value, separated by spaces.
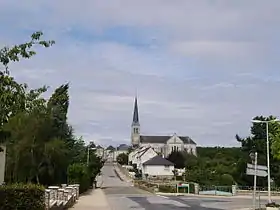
pixel 201 68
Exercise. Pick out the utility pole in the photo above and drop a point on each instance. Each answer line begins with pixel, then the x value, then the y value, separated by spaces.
pixel 255 179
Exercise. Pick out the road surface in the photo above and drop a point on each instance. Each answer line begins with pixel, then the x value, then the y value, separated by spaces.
pixel 122 196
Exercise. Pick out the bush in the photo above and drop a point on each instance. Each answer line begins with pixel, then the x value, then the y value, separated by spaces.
pixel 167 188
pixel 22 197
pixel 78 173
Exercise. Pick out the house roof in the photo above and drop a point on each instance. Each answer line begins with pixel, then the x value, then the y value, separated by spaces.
pixel 99 147
pixel 123 147
pixel 158 161
pixel 110 148
pixel 164 139
pixel 144 151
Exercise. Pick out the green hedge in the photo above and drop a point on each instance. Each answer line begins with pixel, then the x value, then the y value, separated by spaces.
pixel 79 173
pixel 22 197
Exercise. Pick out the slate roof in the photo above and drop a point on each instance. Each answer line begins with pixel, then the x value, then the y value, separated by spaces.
pixel 110 148
pixel 144 151
pixel 163 139
pixel 99 147
pixel 123 147
pixel 135 119
pixel 158 161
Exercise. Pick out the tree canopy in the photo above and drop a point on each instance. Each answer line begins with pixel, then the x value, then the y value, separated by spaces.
pixel 41 144
pixel 224 166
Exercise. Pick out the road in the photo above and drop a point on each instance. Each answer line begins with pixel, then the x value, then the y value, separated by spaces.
pixel 122 196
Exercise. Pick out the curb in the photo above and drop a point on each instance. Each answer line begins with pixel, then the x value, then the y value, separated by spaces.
pixel 193 195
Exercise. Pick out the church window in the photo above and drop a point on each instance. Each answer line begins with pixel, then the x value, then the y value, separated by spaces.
pixel 136 130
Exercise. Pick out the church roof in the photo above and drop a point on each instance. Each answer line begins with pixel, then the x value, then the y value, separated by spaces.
pixel 164 139
pixel 158 161
pixel 135 120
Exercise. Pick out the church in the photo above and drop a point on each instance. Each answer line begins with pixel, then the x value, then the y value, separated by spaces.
pixel 163 145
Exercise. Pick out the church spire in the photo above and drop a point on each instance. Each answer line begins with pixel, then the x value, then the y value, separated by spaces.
pixel 135 120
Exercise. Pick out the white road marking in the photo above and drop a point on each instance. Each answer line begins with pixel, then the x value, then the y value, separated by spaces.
pixel 163 196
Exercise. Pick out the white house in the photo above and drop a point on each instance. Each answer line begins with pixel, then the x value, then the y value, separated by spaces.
pixel 122 148
pixel 133 156
pixel 100 151
pixel 109 153
pixel 158 167
pixel 144 156
pixel 161 144
pixel 141 155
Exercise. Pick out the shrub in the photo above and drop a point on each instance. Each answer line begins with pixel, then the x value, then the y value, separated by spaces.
pixel 167 188
pixel 78 173
pixel 22 197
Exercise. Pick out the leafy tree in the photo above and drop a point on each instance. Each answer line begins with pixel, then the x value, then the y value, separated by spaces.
pixel 257 143
pixel 122 159
pixel 177 158
pixel 12 94
pixel 40 143
pixel 213 165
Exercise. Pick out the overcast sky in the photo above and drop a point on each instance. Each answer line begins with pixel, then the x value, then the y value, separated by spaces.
pixel 200 68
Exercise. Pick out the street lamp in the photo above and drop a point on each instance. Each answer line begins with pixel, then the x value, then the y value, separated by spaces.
pixel 267 153
pixel 88 149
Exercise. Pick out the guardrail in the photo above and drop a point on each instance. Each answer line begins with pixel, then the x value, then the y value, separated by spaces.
pixel 61 197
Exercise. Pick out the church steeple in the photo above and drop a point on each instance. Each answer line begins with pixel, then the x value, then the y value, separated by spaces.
pixel 135 126
pixel 135 120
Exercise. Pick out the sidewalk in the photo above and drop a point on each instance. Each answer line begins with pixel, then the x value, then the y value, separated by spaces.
pixel 95 200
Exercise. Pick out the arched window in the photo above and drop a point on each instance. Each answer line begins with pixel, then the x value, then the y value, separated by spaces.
pixel 136 130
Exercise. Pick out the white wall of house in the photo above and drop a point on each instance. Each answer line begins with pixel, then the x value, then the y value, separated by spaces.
pixel 160 170
pixel 136 153
pixel 150 153
pixel 131 156
pixel 174 143
pixel 99 152
pixel 2 164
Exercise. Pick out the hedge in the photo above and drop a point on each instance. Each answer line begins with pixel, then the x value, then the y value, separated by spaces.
pixel 22 197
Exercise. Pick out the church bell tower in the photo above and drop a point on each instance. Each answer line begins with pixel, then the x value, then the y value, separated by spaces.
pixel 135 126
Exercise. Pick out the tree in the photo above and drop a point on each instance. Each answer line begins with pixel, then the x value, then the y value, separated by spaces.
pixel 257 143
pixel 211 165
pixel 12 94
pixel 177 158
pixel 122 159
pixel 40 143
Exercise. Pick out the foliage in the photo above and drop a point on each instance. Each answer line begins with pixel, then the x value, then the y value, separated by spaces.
pixel 84 174
pixel 12 94
pixel 40 142
pixel 177 158
pixel 226 166
pixel 78 173
pixel 214 166
pixel 21 197
pixel 23 50
pixel 256 142
pixel 122 159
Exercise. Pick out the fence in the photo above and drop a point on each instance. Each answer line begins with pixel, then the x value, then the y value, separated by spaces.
pixel 245 190
pixel 216 190
pixel 61 197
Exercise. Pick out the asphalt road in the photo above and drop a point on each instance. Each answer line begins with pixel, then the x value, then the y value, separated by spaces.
pixel 122 196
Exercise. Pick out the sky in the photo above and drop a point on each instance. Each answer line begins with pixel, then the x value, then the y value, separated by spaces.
pixel 200 68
